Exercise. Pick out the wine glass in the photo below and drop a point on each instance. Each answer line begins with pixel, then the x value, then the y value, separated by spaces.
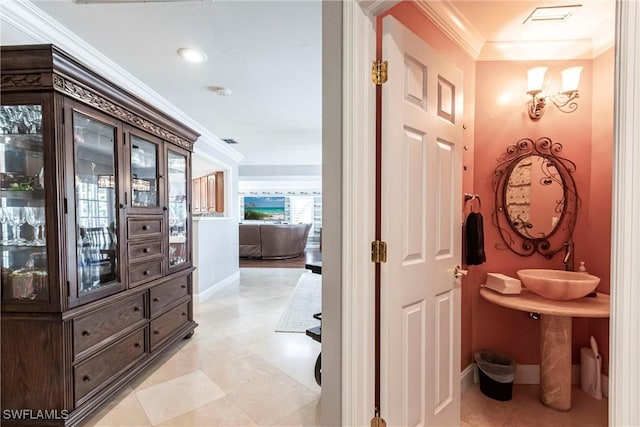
pixel 36 219
pixel 4 219
pixel 17 219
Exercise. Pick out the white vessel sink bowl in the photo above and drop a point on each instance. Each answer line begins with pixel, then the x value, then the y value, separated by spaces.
pixel 558 284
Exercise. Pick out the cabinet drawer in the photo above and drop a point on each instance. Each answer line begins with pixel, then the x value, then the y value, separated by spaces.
pixel 144 249
pixel 94 328
pixel 167 294
pixel 164 325
pixel 96 371
pixel 144 227
pixel 141 273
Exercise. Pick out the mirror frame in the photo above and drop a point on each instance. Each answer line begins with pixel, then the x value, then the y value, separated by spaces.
pixel 514 240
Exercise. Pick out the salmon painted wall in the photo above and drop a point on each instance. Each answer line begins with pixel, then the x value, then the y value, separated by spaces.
pixel 501 120
pixel 598 261
pixel 412 18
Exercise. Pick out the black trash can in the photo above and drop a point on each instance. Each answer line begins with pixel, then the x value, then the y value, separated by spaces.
pixel 496 372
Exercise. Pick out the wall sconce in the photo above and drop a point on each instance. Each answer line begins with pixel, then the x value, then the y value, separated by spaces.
pixel 563 100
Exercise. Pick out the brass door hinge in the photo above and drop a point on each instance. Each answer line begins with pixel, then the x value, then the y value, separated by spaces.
pixel 378 422
pixel 379 72
pixel 378 251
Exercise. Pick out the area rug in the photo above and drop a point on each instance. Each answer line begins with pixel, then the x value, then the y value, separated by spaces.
pixel 304 303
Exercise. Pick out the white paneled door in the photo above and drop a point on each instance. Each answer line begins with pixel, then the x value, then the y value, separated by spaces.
pixel 421 223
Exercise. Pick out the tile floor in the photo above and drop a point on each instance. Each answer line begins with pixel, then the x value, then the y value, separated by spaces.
pixel 236 371
pixel 525 410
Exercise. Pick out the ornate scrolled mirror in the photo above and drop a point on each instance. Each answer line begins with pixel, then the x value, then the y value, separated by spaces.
pixel 536 200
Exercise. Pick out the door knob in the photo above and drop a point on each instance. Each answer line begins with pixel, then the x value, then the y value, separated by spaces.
pixel 459 272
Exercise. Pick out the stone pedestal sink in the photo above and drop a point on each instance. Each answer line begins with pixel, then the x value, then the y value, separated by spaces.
pixel 555 336
pixel 558 284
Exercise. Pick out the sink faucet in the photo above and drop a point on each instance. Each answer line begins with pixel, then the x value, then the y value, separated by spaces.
pixel 568 256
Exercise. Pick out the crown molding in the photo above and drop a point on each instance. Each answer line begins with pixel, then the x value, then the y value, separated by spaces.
pixel 454 24
pixel 458 28
pixel 37 25
pixel 376 7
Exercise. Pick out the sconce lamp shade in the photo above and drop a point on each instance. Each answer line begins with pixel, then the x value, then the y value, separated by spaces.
pixel 565 100
pixel 535 78
pixel 571 79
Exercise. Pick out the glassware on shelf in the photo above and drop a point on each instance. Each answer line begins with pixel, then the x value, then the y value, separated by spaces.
pixel 4 220
pixel 40 275
pixel 20 119
pixel 17 219
pixel 23 262
pixel 29 282
pixel 36 219
pixel 22 283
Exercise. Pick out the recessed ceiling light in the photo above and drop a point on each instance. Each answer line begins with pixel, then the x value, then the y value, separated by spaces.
pixel 552 13
pixel 192 55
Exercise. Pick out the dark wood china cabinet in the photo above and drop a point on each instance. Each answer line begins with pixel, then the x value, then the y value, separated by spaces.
pixel 95 236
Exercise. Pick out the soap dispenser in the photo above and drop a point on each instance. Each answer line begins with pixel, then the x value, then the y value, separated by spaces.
pixel 582 268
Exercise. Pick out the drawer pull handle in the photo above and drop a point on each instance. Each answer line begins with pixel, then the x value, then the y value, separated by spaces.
pixel 137 345
pixel 145 250
pixel 184 286
pixel 85 333
pixel 156 299
pixel 156 332
pixel 146 272
pixel 136 308
pixel 145 227
pixel 184 314
pixel 86 378
pixel 164 208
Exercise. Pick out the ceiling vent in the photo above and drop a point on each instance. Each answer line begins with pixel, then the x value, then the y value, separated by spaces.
pixel 230 140
pixel 552 13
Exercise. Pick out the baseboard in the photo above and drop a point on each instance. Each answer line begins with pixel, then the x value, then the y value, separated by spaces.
pixel 211 290
pixel 529 374
pixel 526 374
pixel 467 378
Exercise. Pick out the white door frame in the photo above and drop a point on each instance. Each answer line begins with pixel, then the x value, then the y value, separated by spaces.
pixel 358 195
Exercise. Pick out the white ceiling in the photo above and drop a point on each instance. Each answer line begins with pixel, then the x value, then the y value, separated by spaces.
pixel 503 33
pixel 269 54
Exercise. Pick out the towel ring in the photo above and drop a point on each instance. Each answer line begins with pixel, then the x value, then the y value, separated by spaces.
pixel 468 197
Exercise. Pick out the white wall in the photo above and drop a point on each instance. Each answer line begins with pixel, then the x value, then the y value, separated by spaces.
pixel 215 252
pixel 215 239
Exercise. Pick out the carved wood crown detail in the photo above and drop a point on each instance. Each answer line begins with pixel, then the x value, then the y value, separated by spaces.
pixel 20 80
pixel 93 99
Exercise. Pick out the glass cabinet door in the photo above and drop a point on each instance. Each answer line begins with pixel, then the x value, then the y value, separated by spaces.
pixel 96 211
pixel 22 205
pixel 144 173
pixel 178 215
